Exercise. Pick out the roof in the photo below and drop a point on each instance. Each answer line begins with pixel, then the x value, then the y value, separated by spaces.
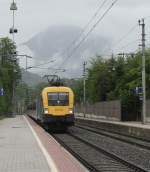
pixel 56 89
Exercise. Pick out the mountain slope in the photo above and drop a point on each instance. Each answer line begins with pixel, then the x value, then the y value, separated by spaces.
pixel 31 79
pixel 56 39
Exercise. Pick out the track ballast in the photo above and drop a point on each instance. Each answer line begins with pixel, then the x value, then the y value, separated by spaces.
pixel 92 155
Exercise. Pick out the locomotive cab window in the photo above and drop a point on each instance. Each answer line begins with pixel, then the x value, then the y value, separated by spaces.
pixel 64 99
pixel 58 99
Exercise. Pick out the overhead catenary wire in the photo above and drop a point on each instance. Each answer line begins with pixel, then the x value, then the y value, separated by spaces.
pixel 92 18
pixel 81 33
pixel 86 26
pixel 127 34
pixel 128 44
pixel 48 68
pixel 147 17
pixel 42 64
pixel 131 30
pixel 88 33
pixel 31 58
pixel 93 27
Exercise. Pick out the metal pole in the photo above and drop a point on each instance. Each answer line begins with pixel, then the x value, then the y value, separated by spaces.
pixel 26 63
pixel 14 96
pixel 141 23
pixel 84 99
pixel 84 87
pixel 13 93
pixel 13 24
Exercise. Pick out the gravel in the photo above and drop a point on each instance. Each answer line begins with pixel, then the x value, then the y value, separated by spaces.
pixel 101 162
pixel 124 150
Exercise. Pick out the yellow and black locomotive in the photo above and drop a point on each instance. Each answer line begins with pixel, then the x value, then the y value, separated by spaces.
pixel 55 106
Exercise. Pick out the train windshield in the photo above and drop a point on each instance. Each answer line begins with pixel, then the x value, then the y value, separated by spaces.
pixel 58 99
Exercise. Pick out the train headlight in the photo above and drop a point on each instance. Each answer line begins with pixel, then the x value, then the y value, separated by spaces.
pixel 46 111
pixel 71 111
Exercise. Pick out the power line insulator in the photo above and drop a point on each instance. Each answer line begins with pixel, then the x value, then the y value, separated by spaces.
pixel 13 30
pixel 13 6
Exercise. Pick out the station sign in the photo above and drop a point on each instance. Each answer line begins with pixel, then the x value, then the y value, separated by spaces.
pixel 139 90
pixel 1 92
pixel 141 98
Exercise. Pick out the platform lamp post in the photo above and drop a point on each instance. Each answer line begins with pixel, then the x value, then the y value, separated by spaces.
pixel 12 31
pixel 13 8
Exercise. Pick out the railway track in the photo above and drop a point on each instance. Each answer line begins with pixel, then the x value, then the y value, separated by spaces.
pixel 128 139
pixel 88 147
pixel 95 158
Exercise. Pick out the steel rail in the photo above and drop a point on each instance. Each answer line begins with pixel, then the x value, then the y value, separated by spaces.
pixel 112 155
pixel 83 161
pixel 112 135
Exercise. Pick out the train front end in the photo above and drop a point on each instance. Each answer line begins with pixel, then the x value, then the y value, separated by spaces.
pixel 58 104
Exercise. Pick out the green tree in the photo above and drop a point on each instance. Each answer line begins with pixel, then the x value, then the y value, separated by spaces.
pixel 117 78
pixel 9 72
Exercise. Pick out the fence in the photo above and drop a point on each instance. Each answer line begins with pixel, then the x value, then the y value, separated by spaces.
pixel 148 110
pixel 105 110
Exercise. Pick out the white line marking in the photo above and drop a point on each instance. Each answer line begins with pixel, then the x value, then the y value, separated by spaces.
pixel 70 155
pixel 49 159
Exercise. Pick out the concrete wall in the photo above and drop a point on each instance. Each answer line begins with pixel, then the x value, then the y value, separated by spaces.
pixel 129 130
pixel 110 110
pixel 148 110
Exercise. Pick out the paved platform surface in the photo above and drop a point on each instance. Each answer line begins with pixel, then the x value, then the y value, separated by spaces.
pixel 125 123
pixel 62 159
pixel 26 147
pixel 19 151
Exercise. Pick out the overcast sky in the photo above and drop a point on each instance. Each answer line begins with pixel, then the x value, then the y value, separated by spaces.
pixel 34 16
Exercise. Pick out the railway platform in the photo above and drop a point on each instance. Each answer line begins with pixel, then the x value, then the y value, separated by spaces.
pixel 26 147
pixel 133 128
